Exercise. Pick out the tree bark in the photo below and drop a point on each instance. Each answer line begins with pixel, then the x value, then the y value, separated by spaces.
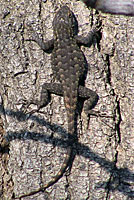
pixel 104 162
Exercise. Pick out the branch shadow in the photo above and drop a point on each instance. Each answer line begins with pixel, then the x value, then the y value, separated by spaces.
pixel 120 178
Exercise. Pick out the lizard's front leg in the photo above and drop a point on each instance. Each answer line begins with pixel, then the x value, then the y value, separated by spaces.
pixel 88 40
pixel 44 45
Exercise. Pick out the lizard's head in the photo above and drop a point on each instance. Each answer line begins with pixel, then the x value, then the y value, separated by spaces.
pixel 65 21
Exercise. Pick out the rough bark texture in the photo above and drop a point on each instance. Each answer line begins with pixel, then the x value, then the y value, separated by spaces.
pixel 104 163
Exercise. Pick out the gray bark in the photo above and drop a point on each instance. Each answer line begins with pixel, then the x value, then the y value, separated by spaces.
pixel 104 162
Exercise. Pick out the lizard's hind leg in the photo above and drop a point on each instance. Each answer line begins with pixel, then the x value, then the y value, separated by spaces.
pixel 47 90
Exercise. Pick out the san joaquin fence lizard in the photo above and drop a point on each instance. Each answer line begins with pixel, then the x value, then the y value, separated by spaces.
pixel 68 64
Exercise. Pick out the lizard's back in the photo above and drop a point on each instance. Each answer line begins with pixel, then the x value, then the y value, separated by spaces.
pixel 67 59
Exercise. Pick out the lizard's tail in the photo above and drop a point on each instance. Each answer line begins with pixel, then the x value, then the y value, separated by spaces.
pixel 71 129
pixel 70 101
pixel 56 177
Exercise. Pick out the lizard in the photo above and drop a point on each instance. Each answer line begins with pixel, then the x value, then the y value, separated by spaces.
pixel 68 65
